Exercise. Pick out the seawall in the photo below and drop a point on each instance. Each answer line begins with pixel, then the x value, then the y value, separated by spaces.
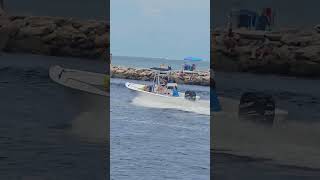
pixel 54 36
pixel 289 52
pixel 200 78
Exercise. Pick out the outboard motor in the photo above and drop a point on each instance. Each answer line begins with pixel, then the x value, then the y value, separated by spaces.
pixel 257 107
pixel 190 95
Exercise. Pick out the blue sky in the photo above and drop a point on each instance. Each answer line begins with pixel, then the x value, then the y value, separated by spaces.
pixel 160 28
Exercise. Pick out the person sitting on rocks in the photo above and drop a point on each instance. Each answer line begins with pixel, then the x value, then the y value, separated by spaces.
pixel 262 50
pixel 230 41
pixel 193 67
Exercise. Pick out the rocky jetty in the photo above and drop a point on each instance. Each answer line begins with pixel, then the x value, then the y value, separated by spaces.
pixel 290 52
pixel 201 78
pixel 54 36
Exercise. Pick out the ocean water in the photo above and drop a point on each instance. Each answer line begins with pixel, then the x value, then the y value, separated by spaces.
pixel 157 141
pixel 288 150
pixel 44 129
pixel 155 62
pixel 49 131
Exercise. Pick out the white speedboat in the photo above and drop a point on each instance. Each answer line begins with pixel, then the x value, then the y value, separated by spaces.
pixel 89 82
pixel 163 88
pixel 88 96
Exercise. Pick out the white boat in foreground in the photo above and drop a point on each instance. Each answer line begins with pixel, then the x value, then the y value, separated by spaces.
pixel 81 80
pixel 163 88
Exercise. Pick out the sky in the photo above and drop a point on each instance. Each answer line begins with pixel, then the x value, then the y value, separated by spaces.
pixel 170 29
pixel 83 9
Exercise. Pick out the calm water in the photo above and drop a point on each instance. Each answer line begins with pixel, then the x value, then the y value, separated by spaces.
pixel 46 129
pixel 157 142
pixel 155 62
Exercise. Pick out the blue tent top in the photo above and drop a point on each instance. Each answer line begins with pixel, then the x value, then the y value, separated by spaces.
pixel 192 59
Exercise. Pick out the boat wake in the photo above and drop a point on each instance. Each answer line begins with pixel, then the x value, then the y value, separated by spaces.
pixel 199 107
pixel 292 144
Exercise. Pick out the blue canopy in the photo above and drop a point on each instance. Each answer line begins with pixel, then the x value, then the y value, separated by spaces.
pixel 192 59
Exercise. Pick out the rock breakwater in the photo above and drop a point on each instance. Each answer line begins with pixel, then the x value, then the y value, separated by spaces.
pixel 54 36
pixel 290 52
pixel 200 78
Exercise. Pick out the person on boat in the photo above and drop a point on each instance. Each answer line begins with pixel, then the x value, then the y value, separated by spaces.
pixel 147 88
pixel 161 89
pixel 175 92
pixel 164 82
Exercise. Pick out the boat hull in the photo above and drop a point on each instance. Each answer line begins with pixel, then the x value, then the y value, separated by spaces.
pixel 88 107
pixel 80 80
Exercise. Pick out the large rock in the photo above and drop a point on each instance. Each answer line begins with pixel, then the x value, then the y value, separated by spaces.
pixel 308 53
pixel 294 40
pixel 283 52
pixel 54 36
pixel 102 41
pixel 30 31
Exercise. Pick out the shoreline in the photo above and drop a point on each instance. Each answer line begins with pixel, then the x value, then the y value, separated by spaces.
pixel 201 78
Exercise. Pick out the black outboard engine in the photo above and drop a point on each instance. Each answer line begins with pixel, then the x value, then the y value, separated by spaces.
pixel 257 107
pixel 190 95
